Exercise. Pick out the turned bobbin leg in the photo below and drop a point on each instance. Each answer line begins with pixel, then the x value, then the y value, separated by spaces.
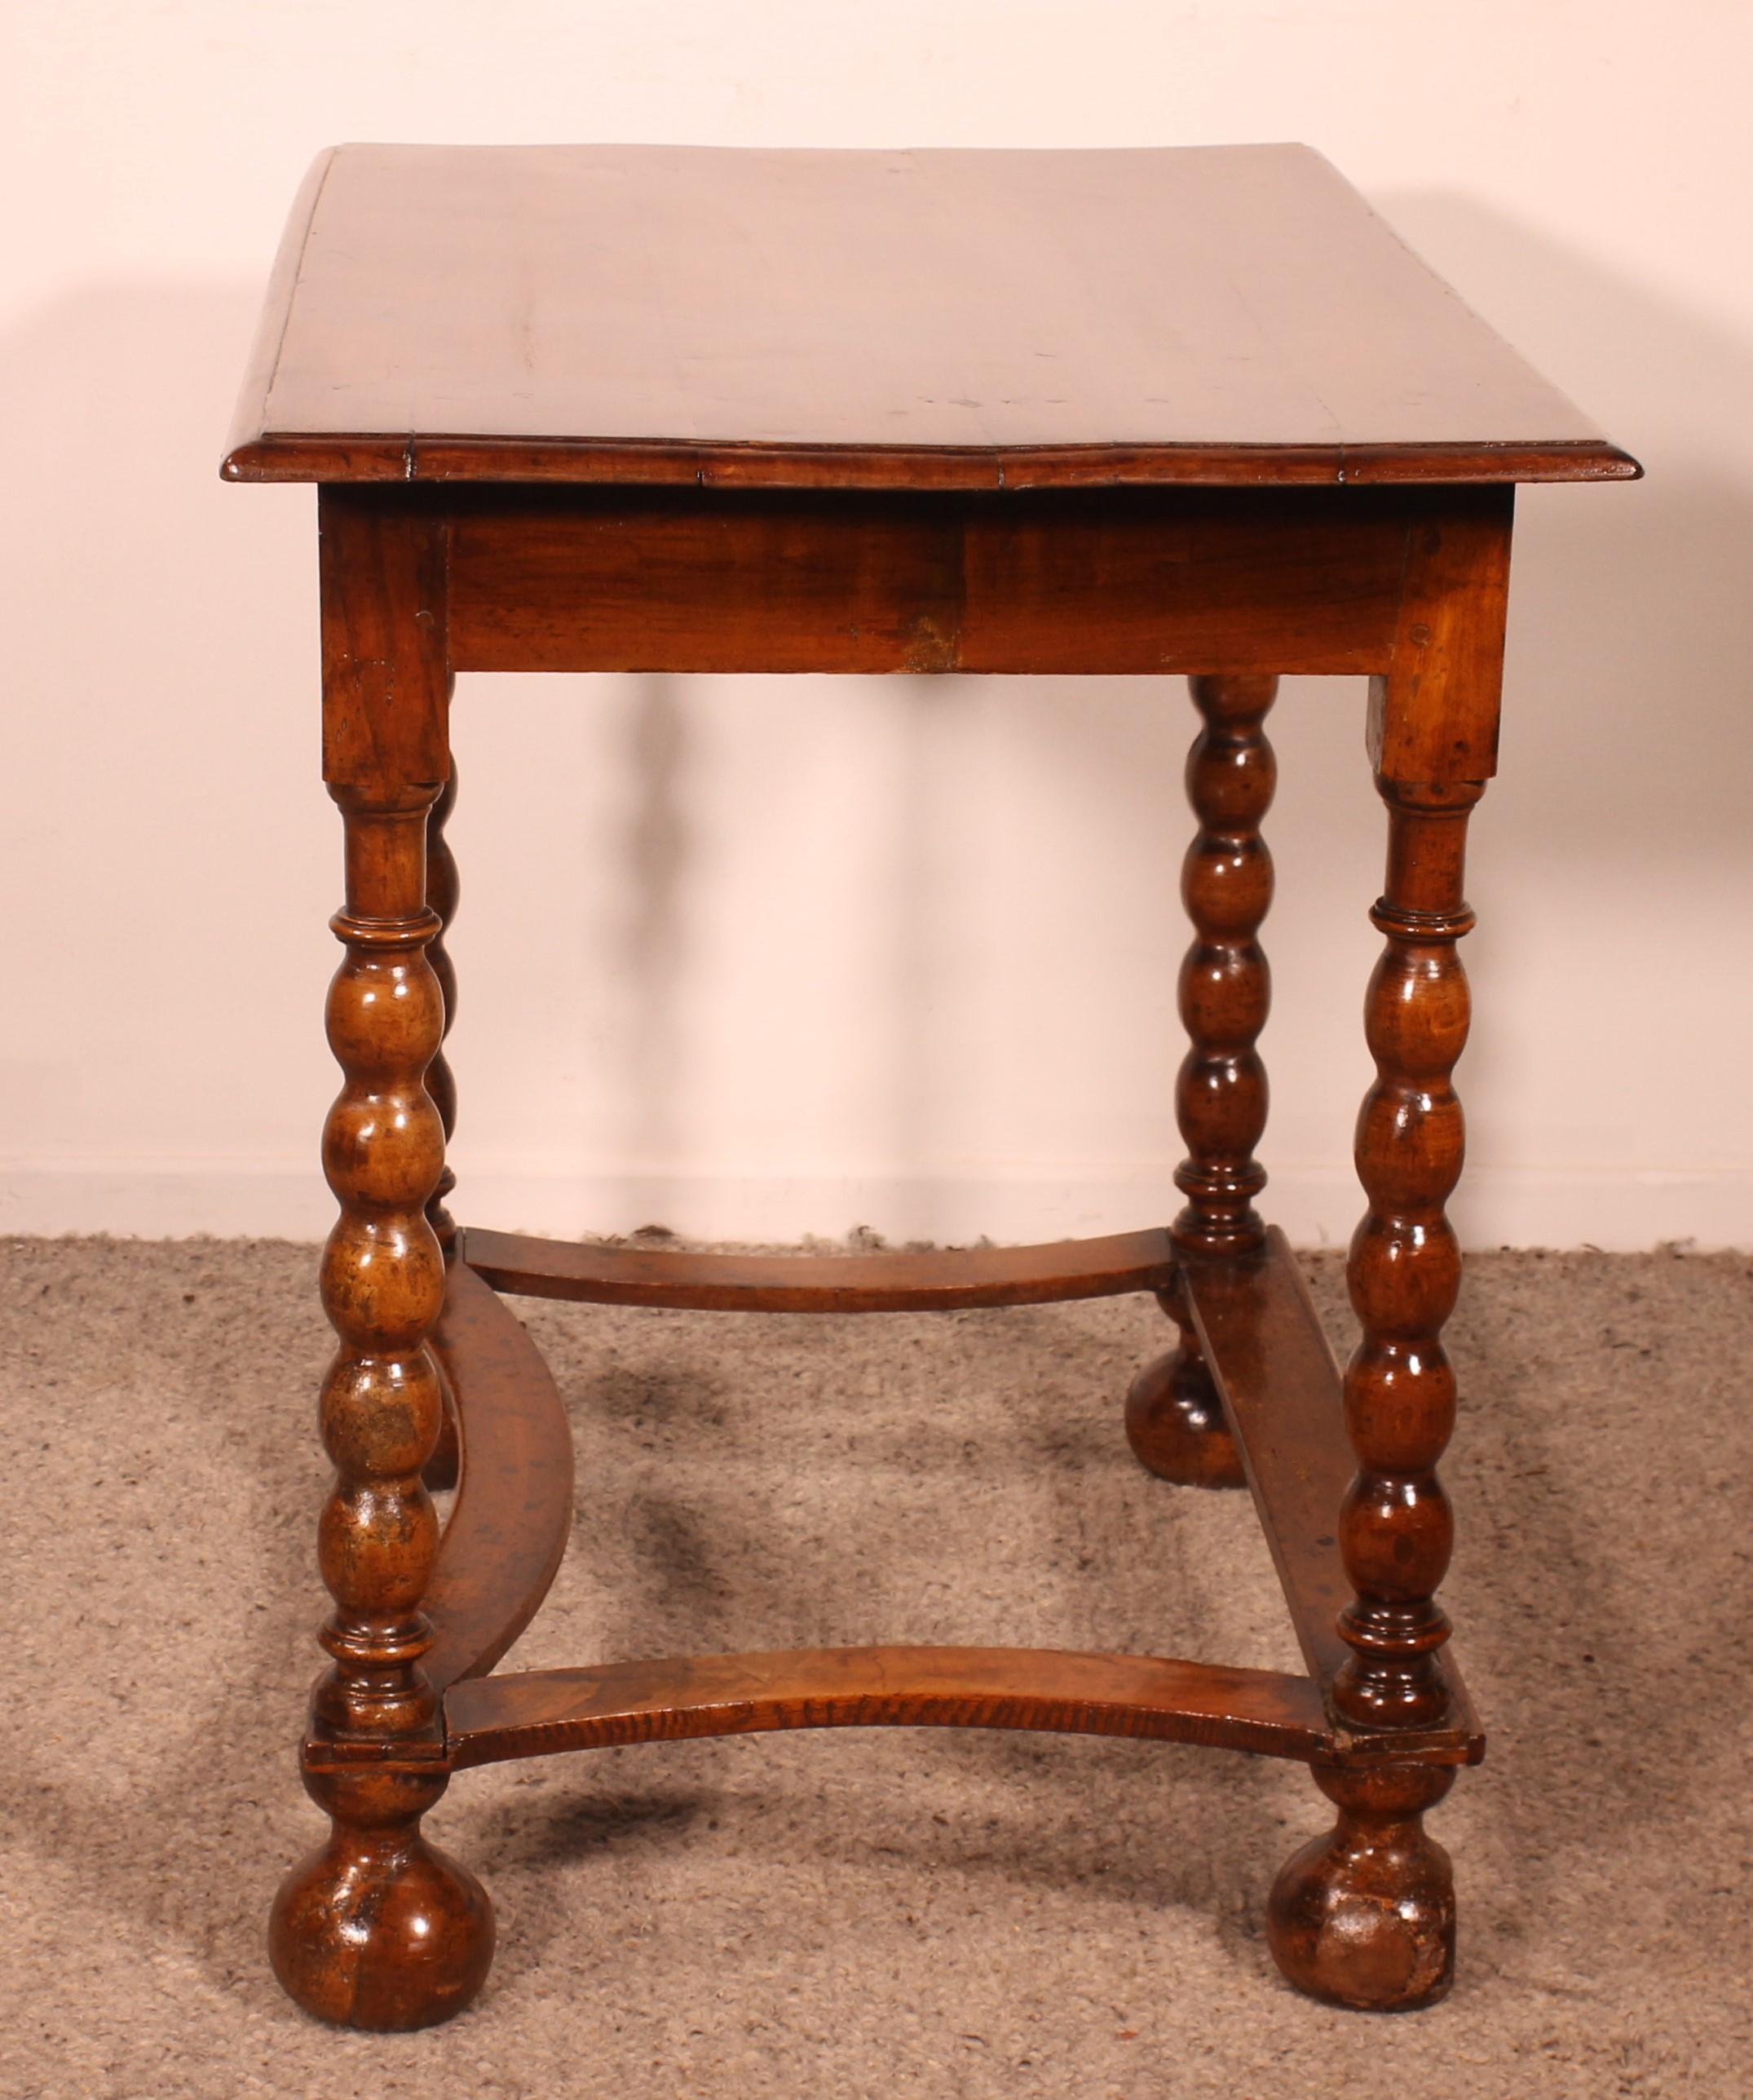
pixel 1366 1917
pixel 376 1928
pixel 443 889
pixel 1174 1418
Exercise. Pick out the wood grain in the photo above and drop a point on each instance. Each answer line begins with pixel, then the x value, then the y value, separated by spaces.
pixel 376 1927
pixel 513 1514
pixel 1396 1527
pixel 1364 1917
pixel 1433 710
pixel 387 684
pixel 1174 1415
pixel 941 1280
pixel 1224 992
pixel 1262 1338
pixel 1127 581
pixel 531 1713
pixel 868 319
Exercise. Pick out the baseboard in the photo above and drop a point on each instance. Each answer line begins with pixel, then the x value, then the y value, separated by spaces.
pixel 1623 1208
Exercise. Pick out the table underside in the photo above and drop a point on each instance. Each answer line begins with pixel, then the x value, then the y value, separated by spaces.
pixel 512 1512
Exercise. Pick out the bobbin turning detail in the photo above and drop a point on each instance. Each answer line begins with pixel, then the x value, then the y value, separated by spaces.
pixel 1174 1416
pixel 376 1927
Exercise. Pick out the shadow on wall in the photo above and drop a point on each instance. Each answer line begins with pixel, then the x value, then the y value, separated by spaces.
pixel 1617 830
pixel 653 951
pixel 161 742
pixel 1627 766
pixel 166 833
pixel 1626 704
pixel 152 601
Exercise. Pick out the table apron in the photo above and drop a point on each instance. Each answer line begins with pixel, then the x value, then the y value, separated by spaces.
pixel 1112 581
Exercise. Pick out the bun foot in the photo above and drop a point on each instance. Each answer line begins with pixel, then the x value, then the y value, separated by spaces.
pixel 1365 1917
pixel 1175 1424
pixel 377 1929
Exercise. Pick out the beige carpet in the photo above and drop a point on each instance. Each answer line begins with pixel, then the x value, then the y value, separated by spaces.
pixel 889 1913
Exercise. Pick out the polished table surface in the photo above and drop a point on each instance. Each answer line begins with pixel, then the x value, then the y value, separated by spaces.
pixel 1232 314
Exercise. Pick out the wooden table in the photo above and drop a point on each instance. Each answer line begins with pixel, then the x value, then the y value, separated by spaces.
pixel 627 409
